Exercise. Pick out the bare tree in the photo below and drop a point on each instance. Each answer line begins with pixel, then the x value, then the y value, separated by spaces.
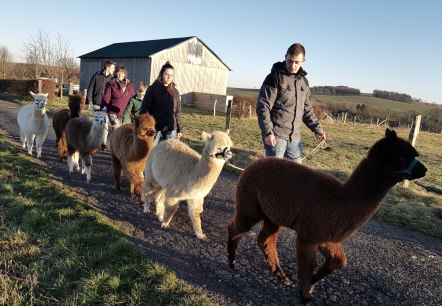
pixel 49 57
pixel 5 58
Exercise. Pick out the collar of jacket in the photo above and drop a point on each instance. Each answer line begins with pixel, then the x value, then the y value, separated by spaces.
pixel 281 68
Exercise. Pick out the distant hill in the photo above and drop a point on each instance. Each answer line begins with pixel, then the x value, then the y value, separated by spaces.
pixel 364 98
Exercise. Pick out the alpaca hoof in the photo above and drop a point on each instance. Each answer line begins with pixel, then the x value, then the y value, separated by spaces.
pixel 232 264
pixel 287 282
pixel 202 237
pixel 146 210
pixel 306 299
pixel 164 225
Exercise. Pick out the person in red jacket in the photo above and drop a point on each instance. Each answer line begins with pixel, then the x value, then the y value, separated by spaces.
pixel 117 94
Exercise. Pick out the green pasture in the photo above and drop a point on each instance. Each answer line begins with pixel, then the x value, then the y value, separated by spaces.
pixel 58 250
pixel 376 103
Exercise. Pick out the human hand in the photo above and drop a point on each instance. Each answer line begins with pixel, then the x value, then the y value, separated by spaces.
pixel 320 137
pixel 270 140
pixel 179 135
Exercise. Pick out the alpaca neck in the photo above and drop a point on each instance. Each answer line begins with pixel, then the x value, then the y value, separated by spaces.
pixel 95 136
pixel 141 147
pixel 39 113
pixel 363 193
pixel 207 170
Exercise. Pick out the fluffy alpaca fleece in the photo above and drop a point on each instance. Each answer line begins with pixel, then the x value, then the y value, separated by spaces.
pixel 33 122
pixel 76 108
pixel 83 138
pixel 129 146
pixel 175 172
pixel 321 209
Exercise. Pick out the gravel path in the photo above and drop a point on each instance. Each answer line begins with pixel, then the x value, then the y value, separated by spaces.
pixel 387 265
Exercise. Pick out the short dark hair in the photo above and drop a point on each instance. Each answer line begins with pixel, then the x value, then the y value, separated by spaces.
pixel 296 49
pixel 108 63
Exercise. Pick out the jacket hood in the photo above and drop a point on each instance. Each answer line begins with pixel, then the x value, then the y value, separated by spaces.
pixel 280 67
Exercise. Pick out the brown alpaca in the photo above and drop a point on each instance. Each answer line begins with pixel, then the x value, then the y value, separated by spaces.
pixel 130 146
pixel 321 209
pixel 61 118
pixel 83 137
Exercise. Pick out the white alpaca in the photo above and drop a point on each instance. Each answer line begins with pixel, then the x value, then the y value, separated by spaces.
pixel 33 122
pixel 83 138
pixel 175 172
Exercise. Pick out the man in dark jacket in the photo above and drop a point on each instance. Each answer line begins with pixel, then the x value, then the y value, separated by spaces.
pixel 283 104
pixel 95 90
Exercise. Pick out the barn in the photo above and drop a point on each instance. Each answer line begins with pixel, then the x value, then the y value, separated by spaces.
pixel 201 75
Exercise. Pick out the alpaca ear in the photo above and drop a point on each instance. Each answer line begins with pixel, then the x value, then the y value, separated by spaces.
pixel 206 136
pixel 46 95
pixel 390 134
pixel 32 94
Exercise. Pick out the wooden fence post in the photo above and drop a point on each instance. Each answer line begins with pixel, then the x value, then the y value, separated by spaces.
pixel 412 139
pixel 214 108
pixel 228 115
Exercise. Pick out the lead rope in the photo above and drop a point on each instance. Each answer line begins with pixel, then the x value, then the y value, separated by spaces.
pixel 321 145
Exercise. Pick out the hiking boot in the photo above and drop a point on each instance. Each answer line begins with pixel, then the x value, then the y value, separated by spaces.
pixel 103 147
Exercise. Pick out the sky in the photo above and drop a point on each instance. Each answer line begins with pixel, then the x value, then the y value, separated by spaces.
pixel 391 45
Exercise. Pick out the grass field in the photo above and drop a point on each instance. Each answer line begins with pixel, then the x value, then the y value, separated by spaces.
pixel 58 250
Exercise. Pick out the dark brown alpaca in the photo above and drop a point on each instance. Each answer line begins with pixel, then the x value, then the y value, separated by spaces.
pixel 321 209
pixel 61 118
pixel 130 146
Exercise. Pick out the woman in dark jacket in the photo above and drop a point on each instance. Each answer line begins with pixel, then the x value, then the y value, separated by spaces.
pixel 117 93
pixel 162 101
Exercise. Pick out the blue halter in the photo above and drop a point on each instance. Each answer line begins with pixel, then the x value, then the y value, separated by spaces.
pixel 407 172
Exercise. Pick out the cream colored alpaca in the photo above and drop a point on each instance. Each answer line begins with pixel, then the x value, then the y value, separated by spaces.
pixel 175 172
pixel 33 122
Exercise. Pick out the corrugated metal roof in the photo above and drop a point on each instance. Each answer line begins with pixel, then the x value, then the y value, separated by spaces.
pixel 145 48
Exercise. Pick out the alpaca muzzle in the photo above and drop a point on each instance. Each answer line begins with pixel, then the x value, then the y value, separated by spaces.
pixel 224 154
pixel 40 104
pixel 151 132
pixel 414 170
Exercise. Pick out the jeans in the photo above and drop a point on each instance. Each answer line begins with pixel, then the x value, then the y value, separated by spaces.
pixel 164 136
pixel 289 149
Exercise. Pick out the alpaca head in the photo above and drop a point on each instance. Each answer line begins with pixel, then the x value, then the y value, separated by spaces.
pixel 396 157
pixel 39 100
pixel 218 144
pixel 144 126
pixel 76 104
pixel 100 118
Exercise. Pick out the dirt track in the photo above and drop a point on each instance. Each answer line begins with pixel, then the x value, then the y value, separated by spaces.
pixel 387 265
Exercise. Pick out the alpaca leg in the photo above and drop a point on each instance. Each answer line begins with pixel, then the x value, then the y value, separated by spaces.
pixel 159 198
pixel 170 207
pixel 30 143
pixel 334 259
pixel 138 182
pixel 23 139
pixel 39 140
pixel 76 160
pixel 118 171
pixel 306 263
pixel 70 163
pixel 87 165
pixel 195 208
pixel 267 238
pixel 239 225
